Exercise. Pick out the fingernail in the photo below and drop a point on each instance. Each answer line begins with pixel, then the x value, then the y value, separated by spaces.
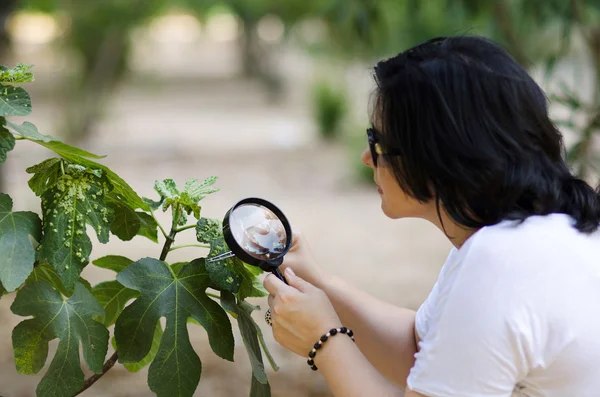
pixel 290 272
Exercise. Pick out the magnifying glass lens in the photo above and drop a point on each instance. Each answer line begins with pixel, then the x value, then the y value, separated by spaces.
pixel 258 231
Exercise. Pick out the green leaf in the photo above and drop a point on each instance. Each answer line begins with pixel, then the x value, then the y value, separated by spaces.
pixel 71 321
pixel 77 199
pixel 228 303
pixel 167 189
pixel 2 290
pixel 194 192
pixel 135 367
pixel 121 190
pixel 249 308
pixel 113 297
pixel 176 267
pixel 251 286
pixel 250 338
pixel 14 101
pixel 16 75
pixel 7 142
pixel 18 255
pixel 208 230
pixel 258 389
pixel 30 132
pixel 148 226
pixel 229 274
pixel 126 223
pixel 45 175
pixel 46 273
pixel 86 284
pixel 188 200
pixel 153 205
pixel 250 332
pixel 176 368
pixel 115 263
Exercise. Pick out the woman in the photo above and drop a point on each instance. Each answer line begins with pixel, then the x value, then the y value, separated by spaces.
pixel 461 138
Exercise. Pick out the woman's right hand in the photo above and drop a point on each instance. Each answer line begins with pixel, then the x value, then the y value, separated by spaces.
pixel 301 260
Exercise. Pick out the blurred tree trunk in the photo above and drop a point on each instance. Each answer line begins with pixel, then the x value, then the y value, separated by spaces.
pixel 506 27
pixel 6 8
pixel 99 78
pixel 250 47
pixel 592 127
pixel 255 58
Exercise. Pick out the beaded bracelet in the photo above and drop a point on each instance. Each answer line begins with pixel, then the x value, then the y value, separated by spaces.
pixel 317 346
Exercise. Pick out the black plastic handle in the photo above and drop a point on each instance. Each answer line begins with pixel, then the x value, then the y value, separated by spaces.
pixel 276 272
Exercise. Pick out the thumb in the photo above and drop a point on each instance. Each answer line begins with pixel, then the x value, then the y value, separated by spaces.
pixel 294 281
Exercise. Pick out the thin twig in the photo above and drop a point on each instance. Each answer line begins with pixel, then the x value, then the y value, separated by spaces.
pixel 189 245
pixel 162 229
pixel 181 229
pixel 93 379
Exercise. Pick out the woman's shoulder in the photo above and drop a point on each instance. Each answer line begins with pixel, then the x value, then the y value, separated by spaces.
pixel 535 231
pixel 538 241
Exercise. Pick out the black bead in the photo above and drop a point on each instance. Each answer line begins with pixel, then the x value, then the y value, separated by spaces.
pixel 317 346
pixel 333 331
pixel 314 368
pixel 343 330
pixel 312 354
pixel 310 362
pixel 323 338
pixel 350 333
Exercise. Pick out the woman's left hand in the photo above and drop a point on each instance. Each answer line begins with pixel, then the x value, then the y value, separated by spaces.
pixel 301 312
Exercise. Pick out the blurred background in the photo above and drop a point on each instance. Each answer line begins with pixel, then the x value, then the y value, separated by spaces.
pixel 272 97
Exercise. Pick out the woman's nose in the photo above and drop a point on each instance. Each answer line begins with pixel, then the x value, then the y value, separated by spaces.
pixel 367 158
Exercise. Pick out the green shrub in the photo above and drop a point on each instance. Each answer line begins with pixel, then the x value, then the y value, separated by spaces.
pixel 330 107
pixel 356 142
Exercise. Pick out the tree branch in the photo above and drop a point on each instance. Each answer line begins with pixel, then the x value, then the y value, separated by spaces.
pixel 506 26
pixel 181 229
pixel 189 245
pixel 93 379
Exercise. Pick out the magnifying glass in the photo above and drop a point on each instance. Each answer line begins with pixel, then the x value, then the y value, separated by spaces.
pixel 258 233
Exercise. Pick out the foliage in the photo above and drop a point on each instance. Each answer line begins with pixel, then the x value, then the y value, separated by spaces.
pixel 71 321
pixel 44 255
pixel 330 106
pixel 356 143
pixel 540 34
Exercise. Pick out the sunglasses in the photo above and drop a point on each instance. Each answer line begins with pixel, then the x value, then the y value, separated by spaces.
pixel 375 147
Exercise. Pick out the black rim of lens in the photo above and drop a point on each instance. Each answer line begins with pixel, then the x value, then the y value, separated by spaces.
pixel 266 265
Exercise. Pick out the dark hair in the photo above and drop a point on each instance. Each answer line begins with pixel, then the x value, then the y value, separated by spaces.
pixel 474 134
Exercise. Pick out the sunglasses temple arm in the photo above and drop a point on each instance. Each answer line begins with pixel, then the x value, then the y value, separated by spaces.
pixel 220 257
pixel 279 275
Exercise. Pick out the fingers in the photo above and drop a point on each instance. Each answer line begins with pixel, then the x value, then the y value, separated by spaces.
pixel 270 300
pixel 297 282
pixel 296 237
pixel 274 285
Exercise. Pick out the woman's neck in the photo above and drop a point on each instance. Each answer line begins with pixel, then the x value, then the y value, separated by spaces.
pixel 456 233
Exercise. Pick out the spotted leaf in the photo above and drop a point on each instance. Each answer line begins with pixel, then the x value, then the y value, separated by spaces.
pixel 77 199
pixel 7 142
pixel 71 321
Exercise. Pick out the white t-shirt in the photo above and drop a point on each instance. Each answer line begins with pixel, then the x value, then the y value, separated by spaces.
pixel 515 312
